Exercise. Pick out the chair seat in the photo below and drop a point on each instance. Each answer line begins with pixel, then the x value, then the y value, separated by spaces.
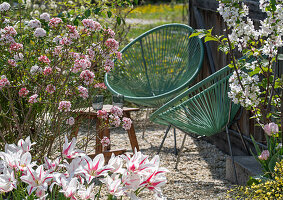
pixel 157 65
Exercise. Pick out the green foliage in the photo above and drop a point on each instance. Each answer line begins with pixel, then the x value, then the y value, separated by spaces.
pixel 261 187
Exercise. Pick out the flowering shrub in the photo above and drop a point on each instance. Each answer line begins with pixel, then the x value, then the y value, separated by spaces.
pixel 79 178
pixel 256 83
pixel 263 189
pixel 49 67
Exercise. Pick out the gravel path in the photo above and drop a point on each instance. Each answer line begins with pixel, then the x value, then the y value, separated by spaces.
pixel 201 171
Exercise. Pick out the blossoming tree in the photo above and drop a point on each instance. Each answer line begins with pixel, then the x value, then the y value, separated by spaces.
pixel 256 83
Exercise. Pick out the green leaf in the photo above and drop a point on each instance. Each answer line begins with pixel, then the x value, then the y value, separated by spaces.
pixel 273 161
pixel 109 13
pixel 136 2
pixel 194 34
pixel 87 13
pixel 209 38
pixel 258 151
pixel 118 20
pixel 96 10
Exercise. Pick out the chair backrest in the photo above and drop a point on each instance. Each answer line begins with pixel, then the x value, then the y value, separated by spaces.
pixel 156 65
pixel 204 109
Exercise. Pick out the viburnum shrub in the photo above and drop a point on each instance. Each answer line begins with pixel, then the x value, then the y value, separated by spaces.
pixel 74 175
pixel 256 83
pixel 50 67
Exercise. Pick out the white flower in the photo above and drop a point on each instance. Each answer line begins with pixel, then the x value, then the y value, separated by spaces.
pixel 37 180
pixel 7 180
pixel 4 7
pixel 45 16
pixel 34 23
pixel 39 32
pixel 35 69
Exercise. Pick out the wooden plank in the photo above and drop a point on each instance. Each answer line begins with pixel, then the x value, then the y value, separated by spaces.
pixel 132 135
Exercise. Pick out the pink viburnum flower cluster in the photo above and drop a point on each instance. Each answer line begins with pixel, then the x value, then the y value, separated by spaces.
pixel 83 92
pixel 65 106
pixel 122 176
pixel 115 117
pixel 4 82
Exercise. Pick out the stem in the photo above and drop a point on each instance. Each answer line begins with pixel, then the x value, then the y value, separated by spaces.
pixel 281 114
pixel 233 59
pixel 98 196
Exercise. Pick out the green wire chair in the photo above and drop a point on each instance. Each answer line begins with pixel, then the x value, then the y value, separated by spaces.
pixel 157 65
pixel 204 109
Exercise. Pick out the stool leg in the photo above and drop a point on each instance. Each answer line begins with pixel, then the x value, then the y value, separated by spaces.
pixel 162 142
pixel 179 154
pixel 132 135
pixel 231 154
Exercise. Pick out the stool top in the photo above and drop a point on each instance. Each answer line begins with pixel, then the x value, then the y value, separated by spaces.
pixel 90 110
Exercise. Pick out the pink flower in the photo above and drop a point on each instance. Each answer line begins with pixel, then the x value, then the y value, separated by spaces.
pixel 44 59
pixel 127 123
pixel 83 92
pixel 114 120
pixel 16 47
pixel 71 28
pixel 271 128
pixel 47 71
pixel 54 22
pixel 109 32
pixel 112 44
pixel 57 50
pixel 69 150
pixel 87 76
pixel 107 69
pixel 264 155
pixel 102 114
pixel 9 30
pixel 117 111
pixel 100 85
pixel 119 55
pixel 95 168
pixel 91 25
pixel 4 82
pixel 23 92
pixel 36 179
pixel 105 141
pixel 66 41
pixel 33 98
pixel 50 88
pixel 12 62
pixel 70 121
pixel 81 64
pixel 65 106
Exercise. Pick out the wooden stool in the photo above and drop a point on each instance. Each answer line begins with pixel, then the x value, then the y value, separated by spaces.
pixel 90 113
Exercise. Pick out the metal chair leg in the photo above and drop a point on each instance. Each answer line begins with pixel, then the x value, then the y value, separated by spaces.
pixel 145 122
pixel 162 142
pixel 242 138
pixel 175 143
pixel 179 154
pixel 231 154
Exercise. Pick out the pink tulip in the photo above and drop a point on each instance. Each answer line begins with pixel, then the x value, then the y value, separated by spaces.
pixel 271 128
pixel 264 155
